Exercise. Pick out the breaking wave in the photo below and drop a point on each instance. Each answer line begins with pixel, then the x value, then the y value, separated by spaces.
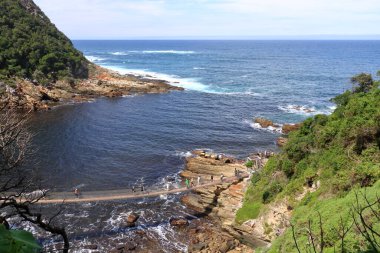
pixel 306 110
pixel 257 126
pixel 94 58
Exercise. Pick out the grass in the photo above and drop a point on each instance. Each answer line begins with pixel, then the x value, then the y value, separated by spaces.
pixel 248 211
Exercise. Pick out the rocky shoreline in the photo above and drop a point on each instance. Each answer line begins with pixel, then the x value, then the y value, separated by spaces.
pixel 219 204
pixel 102 82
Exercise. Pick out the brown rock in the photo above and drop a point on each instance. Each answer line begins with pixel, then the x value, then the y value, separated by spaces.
pixel 281 141
pixel 141 232
pixel 197 247
pixel 264 123
pixel 287 128
pixel 113 94
pixel 179 222
pixel 132 218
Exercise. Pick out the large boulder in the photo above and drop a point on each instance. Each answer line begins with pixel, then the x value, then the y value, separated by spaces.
pixel 287 128
pixel 264 123
pixel 132 218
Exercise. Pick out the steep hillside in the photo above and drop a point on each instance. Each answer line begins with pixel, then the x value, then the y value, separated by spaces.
pixel 40 68
pixel 32 47
pixel 323 175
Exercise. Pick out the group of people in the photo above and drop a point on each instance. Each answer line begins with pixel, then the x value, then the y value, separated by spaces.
pixel 134 188
pixel 188 182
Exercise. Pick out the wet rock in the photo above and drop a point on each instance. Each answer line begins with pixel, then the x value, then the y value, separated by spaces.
pixel 264 123
pixel 281 141
pixel 179 222
pixel 132 218
pixel 46 97
pixel 91 247
pixel 287 128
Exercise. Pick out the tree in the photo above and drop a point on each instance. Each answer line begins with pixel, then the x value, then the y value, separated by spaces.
pixel 18 191
pixel 363 81
pixel 364 221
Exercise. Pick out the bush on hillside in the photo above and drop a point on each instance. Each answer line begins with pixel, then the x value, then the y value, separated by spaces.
pixel 32 47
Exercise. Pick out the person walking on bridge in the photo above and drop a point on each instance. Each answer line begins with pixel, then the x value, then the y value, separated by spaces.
pixel 76 192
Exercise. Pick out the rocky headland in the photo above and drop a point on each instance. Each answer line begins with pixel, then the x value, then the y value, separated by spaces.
pixel 102 82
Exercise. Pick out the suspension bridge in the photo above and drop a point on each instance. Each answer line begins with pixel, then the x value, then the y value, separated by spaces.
pixel 125 194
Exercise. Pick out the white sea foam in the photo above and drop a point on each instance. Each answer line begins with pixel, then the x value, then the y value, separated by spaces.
pixel 198 68
pixel 167 52
pixel 259 127
pixel 306 110
pixel 187 83
pixel 166 236
pixel 119 53
pixel 239 93
pixel 183 154
pixel 94 58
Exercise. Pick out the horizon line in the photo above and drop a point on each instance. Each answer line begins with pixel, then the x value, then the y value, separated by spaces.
pixel 256 37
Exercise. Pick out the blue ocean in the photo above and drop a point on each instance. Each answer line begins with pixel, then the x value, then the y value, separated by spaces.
pixel 113 143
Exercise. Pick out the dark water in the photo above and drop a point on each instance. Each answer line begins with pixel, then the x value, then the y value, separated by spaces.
pixel 112 143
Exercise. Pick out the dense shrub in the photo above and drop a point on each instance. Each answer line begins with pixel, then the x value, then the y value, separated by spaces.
pixel 32 47
pixel 340 153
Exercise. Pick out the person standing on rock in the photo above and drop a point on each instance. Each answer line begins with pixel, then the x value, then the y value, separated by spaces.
pixel 221 178
pixel 192 182
pixel 187 183
pixel 199 180
pixel 212 178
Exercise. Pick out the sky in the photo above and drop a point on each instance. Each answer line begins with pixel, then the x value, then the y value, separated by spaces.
pixel 134 19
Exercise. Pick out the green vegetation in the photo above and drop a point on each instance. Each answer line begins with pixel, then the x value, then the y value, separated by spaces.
pixel 32 47
pixel 338 154
pixel 249 164
pixel 17 241
pixel 336 212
